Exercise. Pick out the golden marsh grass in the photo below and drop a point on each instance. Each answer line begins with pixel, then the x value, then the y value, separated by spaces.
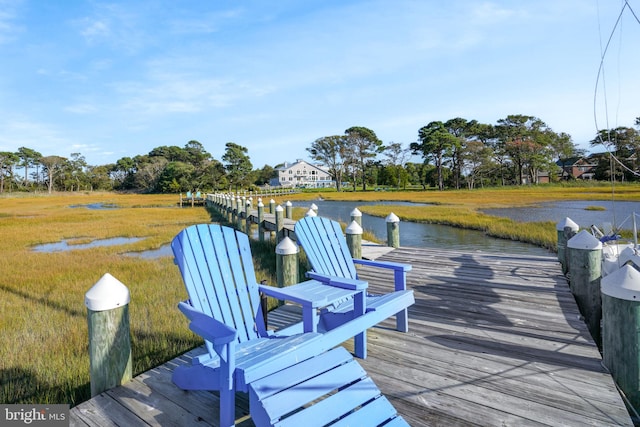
pixel 44 354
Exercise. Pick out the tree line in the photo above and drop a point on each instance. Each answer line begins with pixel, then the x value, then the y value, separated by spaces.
pixel 456 153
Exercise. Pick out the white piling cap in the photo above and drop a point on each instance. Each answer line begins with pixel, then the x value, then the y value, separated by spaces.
pixel 272 201
pixel 259 199
pixel 279 208
pixel 108 293
pixel 353 228
pixel 628 254
pixel 313 206
pixel 260 204
pixel 311 212
pixel 356 212
pixel 287 247
pixel 623 283
pixel 584 240
pixel 567 222
pixel 288 203
pixel 392 218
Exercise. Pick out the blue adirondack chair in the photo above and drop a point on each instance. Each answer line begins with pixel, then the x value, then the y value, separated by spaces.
pixel 326 248
pixel 224 308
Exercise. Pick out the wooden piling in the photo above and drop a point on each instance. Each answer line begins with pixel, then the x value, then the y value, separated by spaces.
pixel 354 239
pixel 279 223
pixel 260 220
pixel 566 229
pixel 288 210
pixel 621 330
pixel 393 230
pixel 585 258
pixel 107 305
pixel 287 262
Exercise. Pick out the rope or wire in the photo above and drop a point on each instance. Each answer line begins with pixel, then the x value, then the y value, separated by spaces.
pixel 601 75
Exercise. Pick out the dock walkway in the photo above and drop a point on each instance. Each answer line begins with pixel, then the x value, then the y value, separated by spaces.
pixel 494 340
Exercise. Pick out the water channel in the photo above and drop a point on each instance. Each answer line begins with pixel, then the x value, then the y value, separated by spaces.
pixel 420 234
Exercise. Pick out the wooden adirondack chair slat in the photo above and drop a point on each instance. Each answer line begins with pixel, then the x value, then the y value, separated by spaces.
pixel 224 308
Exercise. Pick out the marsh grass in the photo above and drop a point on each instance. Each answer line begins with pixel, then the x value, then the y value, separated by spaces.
pixel 44 354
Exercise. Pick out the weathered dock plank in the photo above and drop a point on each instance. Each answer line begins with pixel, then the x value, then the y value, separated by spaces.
pixel 494 340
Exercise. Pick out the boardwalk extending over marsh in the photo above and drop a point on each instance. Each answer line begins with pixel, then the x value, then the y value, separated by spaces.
pixel 494 340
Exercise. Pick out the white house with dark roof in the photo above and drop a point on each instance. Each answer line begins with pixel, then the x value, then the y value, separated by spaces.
pixel 303 174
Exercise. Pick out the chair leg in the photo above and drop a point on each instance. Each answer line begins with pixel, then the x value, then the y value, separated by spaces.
pixel 402 320
pixel 360 345
pixel 227 408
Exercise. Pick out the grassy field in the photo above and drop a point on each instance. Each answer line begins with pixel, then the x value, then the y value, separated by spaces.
pixel 44 353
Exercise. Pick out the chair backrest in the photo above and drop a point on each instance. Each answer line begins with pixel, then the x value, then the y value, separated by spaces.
pixel 326 247
pixel 217 270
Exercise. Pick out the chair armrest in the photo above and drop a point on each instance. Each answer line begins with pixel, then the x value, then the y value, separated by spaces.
pixel 207 327
pixel 339 282
pixel 399 271
pixel 290 293
pixel 384 264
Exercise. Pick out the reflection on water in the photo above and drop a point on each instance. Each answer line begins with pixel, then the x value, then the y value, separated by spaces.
pixel 616 213
pixel 423 235
pixel 96 206
pixel 65 245
pixel 162 251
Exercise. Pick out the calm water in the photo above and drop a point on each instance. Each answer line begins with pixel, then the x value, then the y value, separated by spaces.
pixel 64 245
pixel 423 235
pixel 617 213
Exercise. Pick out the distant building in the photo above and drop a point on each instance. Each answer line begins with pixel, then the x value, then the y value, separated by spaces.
pixel 577 167
pixel 302 174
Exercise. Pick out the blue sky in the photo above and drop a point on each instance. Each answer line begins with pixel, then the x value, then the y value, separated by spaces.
pixel 118 78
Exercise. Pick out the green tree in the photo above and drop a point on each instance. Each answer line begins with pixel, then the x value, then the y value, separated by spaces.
pixel 623 144
pixel 525 139
pixel 397 157
pixel 477 162
pixel 175 177
pixel 331 152
pixel 462 129
pixel 99 178
pixel 7 162
pixel 364 145
pixel 52 168
pixel 28 157
pixel 436 143
pixel 263 176
pixel 237 164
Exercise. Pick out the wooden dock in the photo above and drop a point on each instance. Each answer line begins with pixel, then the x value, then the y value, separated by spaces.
pixel 494 340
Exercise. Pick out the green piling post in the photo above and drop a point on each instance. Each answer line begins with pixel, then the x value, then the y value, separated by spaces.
pixel 354 239
pixel 585 258
pixel 260 220
pixel 107 305
pixel 621 330
pixel 247 216
pixel 566 229
pixel 393 230
pixel 287 262
pixel 272 206
pixel 288 210
pixel 279 223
